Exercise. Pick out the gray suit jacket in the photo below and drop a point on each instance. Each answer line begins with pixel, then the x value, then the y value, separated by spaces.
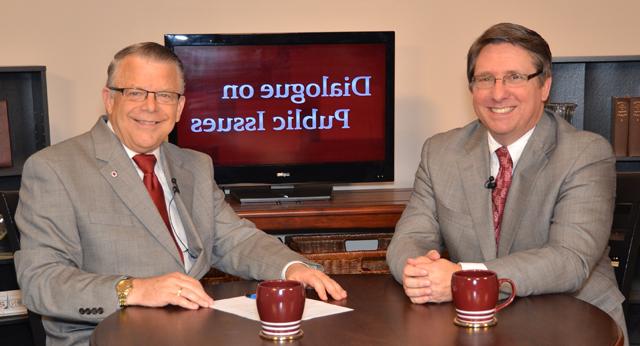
pixel 86 221
pixel 557 218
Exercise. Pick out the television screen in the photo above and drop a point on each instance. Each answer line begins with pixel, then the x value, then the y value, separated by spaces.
pixel 289 108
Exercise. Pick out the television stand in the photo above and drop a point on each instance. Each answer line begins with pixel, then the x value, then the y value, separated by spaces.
pixel 281 193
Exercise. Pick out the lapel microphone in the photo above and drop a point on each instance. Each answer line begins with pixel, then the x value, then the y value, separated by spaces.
pixel 489 184
pixel 192 253
pixel 175 188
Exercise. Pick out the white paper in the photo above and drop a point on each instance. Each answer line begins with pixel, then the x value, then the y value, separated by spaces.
pixel 246 307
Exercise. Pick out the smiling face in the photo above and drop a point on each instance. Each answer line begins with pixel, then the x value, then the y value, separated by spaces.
pixel 508 112
pixel 143 126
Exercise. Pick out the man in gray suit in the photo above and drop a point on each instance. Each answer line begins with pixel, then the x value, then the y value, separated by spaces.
pixel 553 231
pixel 93 240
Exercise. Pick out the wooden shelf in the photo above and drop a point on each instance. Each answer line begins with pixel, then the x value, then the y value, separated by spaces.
pixel 348 211
pixel 590 82
pixel 628 164
pixel 15 319
pixel 6 258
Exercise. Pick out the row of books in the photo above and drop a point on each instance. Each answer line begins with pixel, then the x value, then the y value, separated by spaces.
pixel 625 125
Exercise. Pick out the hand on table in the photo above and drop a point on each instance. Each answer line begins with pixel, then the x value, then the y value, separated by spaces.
pixel 316 279
pixel 169 289
pixel 428 278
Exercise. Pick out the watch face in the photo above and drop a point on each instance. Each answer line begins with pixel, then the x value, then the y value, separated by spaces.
pixel 123 286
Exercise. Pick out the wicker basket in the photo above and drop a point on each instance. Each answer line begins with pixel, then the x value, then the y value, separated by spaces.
pixel 354 262
pixel 330 251
pixel 314 244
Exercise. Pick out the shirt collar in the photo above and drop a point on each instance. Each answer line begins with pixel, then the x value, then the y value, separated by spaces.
pixel 131 153
pixel 515 149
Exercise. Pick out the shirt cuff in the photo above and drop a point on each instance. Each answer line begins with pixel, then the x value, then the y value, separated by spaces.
pixel 284 270
pixel 470 266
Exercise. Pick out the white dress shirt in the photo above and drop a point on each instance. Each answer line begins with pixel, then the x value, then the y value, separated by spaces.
pixel 515 151
pixel 169 198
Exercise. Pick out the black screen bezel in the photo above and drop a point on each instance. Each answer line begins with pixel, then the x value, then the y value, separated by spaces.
pixel 331 173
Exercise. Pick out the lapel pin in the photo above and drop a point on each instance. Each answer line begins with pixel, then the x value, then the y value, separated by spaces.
pixel 114 174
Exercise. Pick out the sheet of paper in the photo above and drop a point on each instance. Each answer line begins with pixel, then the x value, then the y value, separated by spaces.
pixel 246 307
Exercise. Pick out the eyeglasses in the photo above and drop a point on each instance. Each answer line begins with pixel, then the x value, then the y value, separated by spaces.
pixel 508 80
pixel 139 95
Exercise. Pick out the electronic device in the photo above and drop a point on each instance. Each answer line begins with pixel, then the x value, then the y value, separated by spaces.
pixel 285 116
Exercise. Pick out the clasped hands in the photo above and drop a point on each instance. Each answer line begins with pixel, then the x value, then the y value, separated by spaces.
pixel 182 290
pixel 427 279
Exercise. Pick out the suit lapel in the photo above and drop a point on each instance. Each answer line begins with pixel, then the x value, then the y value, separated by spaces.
pixel 117 169
pixel 175 168
pixel 474 171
pixel 534 158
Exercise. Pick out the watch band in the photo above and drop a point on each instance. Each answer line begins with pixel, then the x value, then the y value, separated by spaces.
pixel 123 288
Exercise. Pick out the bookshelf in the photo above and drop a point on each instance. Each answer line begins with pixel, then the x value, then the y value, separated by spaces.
pixel 590 82
pixel 24 89
pixel 20 329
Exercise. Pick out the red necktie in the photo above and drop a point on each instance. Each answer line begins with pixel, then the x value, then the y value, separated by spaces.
pixel 499 193
pixel 147 162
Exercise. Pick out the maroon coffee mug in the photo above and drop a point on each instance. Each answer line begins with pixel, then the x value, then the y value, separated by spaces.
pixel 280 306
pixel 475 297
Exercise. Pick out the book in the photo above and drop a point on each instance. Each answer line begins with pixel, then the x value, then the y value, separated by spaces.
pixel 5 136
pixel 634 126
pixel 620 124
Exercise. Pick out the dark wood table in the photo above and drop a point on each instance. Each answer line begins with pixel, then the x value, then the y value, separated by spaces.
pixel 382 316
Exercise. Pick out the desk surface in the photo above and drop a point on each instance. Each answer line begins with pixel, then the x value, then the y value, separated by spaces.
pixel 382 316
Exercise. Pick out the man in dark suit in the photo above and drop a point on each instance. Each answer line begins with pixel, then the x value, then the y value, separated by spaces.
pixel 518 191
pixel 99 234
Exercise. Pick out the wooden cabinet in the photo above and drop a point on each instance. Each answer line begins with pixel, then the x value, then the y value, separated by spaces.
pixel 348 210
pixel 14 330
pixel 17 329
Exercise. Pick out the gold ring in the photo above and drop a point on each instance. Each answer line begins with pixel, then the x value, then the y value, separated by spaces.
pixel 179 292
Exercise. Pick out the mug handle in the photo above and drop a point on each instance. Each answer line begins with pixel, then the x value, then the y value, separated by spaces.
pixel 510 299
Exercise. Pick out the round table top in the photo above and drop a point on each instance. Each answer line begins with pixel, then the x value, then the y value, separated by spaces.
pixel 382 315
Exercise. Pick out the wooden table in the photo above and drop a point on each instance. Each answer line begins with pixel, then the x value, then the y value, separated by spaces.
pixel 382 316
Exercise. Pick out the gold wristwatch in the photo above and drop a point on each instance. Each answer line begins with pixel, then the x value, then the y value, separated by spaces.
pixel 123 288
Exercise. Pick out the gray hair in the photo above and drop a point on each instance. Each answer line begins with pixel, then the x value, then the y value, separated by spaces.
pixel 149 50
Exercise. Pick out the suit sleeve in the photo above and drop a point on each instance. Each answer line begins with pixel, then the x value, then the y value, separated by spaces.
pixel 239 248
pixel 417 231
pixel 49 261
pixel 578 230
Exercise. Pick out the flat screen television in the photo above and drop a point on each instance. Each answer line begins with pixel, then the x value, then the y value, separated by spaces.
pixel 288 111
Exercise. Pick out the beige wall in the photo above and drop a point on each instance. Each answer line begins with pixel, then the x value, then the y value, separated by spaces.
pixel 76 39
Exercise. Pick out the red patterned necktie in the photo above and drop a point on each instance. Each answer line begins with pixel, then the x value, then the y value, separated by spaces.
pixel 147 162
pixel 499 193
